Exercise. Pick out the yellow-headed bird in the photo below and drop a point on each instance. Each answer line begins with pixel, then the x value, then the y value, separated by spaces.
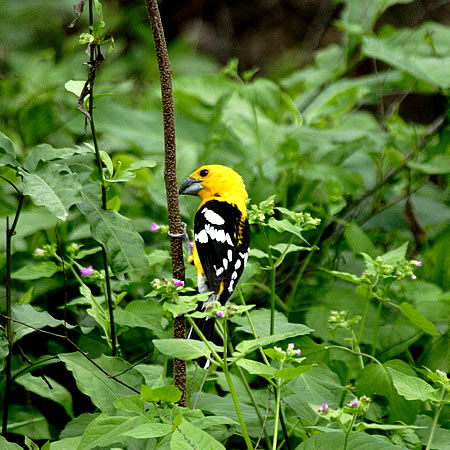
pixel 221 232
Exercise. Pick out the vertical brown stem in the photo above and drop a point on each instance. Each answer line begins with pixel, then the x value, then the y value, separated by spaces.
pixel 170 177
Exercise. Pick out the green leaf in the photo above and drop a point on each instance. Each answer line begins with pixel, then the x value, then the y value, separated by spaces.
pixel 165 394
pixel 185 349
pixel 289 373
pixel 252 344
pixel 57 393
pixel 46 152
pixel 36 271
pixel 91 381
pixel 131 403
pixel 27 297
pixel 408 50
pixel 8 445
pixel 396 256
pixel 124 246
pixel 149 430
pixel 356 441
pixel 285 225
pixel 440 164
pixel 418 319
pixel 130 172
pixel 257 368
pixel 413 388
pixel 358 241
pixel 352 278
pixel 104 431
pixel 318 385
pixel 187 436
pixel 27 422
pixel 53 186
pixel 75 86
pixel 30 316
pixel 7 153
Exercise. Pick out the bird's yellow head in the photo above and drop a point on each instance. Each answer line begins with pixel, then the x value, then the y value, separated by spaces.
pixel 215 182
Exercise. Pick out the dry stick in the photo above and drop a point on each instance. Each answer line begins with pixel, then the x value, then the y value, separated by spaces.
pixel 170 177
pixel 9 333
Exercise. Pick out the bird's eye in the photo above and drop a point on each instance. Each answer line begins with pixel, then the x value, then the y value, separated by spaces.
pixel 204 172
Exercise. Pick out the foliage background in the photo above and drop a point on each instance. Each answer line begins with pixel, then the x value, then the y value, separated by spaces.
pixel 346 100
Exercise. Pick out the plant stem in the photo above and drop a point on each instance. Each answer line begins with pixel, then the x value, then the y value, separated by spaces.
pixel 348 431
pixel 361 328
pixel 277 411
pixel 272 281
pixel 92 72
pixel 375 331
pixel 233 391
pixel 435 421
pixel 9 332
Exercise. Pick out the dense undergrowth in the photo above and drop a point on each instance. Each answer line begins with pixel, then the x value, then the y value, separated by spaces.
pixel 337 334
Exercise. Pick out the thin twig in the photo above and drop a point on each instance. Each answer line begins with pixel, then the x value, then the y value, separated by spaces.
pixel 170 177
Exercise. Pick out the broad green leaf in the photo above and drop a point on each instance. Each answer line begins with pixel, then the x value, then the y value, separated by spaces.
pixel 75 86
pixel 141 313
pixel 413 388
pixel 213 421
pixel 58 393
pixel 53 186
pixel 27 297
pixel 27 422
pixel 418 319
pixel 36 271
pixel 66 443
pixel 356 441
pixel 397 255
pixel 440 164
pixel 104 431
pixel 130 172
pixel 257 368
pixel 8 445
pixel 46 152
pixel 124 246
pixel 352 278
pixel 384 426
pixel 149 430
pixel 7 153
pixel 187 436
pixel 358 240
pixel 28 315
pixel 289 373
pixel 185 349
pixel 131 403
pixel 318 385
pixel 252 344
pixel 410 51
pixel 102 390
pixel 165 394
pixel 285 225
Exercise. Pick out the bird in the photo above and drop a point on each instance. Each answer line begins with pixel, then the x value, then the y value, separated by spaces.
pixel 221 234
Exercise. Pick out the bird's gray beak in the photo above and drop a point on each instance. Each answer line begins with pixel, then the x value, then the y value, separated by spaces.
pixel 190 186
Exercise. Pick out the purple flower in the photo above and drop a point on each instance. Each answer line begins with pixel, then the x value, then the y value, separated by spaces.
pixel 355 403
pixel 291 346
pixel 86 271
pixel 191 244
pixel 320 410
pixel 418 263
pixel 299 352
pixel 324 407
pixel 178 283
pixel 219 313
pixel 413 277
pixel 154 227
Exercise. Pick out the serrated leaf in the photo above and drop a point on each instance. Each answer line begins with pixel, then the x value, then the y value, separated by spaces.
pixel 123 244
pixel 413 388
pixel 53 186
pixel 44 269
pixel 418 319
